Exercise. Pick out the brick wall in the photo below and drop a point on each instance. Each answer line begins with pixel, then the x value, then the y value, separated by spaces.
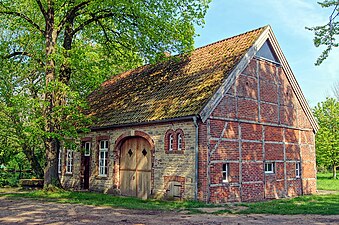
pixel 259 120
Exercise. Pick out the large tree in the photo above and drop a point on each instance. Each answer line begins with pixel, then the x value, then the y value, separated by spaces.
pixel 327 138
pixel 59 50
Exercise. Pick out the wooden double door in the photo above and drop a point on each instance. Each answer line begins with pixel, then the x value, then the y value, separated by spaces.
pixel 135 167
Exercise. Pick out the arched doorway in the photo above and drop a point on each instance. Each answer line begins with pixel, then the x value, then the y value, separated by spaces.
pixel 135 167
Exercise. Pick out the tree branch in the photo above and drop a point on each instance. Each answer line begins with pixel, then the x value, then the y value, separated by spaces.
pixel 71 13
pixel 96 17
pixel 29 20
pixel 42 9
pixel 24 54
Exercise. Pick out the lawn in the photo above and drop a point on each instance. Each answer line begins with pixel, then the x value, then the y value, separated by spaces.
pixel 327 204
pixel 312 204
pixel 99 199
pixel 326 182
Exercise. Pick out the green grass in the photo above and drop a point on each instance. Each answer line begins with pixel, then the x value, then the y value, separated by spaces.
pixel 311 204
pixel 326 182
pixel 327 204
pixel 99 199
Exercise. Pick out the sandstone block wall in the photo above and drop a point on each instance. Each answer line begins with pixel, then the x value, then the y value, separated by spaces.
pixel 166 167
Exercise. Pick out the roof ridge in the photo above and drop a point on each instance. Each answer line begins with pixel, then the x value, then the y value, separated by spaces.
pixel 229 38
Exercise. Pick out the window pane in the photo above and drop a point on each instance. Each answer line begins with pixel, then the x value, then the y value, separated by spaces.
pixel 225 172
pixel 87 148
pixel 171 142
pixel 179 142
pixel 269 167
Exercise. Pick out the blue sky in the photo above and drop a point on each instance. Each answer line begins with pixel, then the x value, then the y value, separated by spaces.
pixel 288 19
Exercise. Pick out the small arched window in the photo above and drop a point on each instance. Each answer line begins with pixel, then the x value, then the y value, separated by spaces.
pixel 179 138
pixel 171 141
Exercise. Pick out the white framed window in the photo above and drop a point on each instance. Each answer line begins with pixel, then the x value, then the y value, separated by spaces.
pixel 59 161
pixel 269 167
pixel 179 142
pixel 103 155
pixel 171 140
pixel 225 172
pixel 297 169
pixel 69 161
pixel 87 148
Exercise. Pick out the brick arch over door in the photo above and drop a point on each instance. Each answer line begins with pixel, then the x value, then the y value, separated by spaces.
pixel 134 153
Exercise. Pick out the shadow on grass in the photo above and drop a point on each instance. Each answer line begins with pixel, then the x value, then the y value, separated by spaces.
pixel 99 199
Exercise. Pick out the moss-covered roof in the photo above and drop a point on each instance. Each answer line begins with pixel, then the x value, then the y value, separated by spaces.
pixel 178 87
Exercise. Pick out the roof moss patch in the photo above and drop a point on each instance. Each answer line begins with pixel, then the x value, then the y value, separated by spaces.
pixel 179 87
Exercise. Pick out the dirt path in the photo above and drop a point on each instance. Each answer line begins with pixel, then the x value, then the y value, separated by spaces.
pixel 25 211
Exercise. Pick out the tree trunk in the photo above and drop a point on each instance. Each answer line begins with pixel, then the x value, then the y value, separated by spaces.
pixel 334 167
pixel 33 161
pixel 51 176
pixel 65 69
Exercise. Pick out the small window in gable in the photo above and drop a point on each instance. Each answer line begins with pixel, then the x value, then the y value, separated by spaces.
pixel 266 52
pixel 179 142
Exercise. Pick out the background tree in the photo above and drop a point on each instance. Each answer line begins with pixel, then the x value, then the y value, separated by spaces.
pixel 57 51
pixel 327 138
pixel 325 35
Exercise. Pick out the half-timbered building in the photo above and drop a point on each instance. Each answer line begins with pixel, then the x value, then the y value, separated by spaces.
pixel 227 122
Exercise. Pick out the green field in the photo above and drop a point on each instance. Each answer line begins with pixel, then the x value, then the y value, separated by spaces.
pixel 326 182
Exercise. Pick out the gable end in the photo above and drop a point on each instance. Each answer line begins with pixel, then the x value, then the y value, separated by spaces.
pixel 266 37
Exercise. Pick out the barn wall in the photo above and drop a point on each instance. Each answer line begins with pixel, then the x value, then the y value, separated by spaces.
pixel 259 120
pixel 167 167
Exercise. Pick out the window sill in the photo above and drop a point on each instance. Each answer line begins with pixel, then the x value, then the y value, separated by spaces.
pixel 101 177
pixel 175 152
pixel 68 174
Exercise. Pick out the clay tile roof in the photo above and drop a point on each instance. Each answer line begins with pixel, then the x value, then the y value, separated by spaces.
pixel 179 87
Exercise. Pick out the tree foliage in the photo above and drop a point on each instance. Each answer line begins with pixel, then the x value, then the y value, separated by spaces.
pixel 327 138
pixel 325 35
pixel 54 52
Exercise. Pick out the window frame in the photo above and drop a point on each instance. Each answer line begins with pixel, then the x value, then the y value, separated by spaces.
pixel 298 169
pixel 59 161
pixel 103 164
pixel 89 149
pixel 225 173
pixel 266 169
pixel 69 161
pixel 179 141
pixel 170 142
